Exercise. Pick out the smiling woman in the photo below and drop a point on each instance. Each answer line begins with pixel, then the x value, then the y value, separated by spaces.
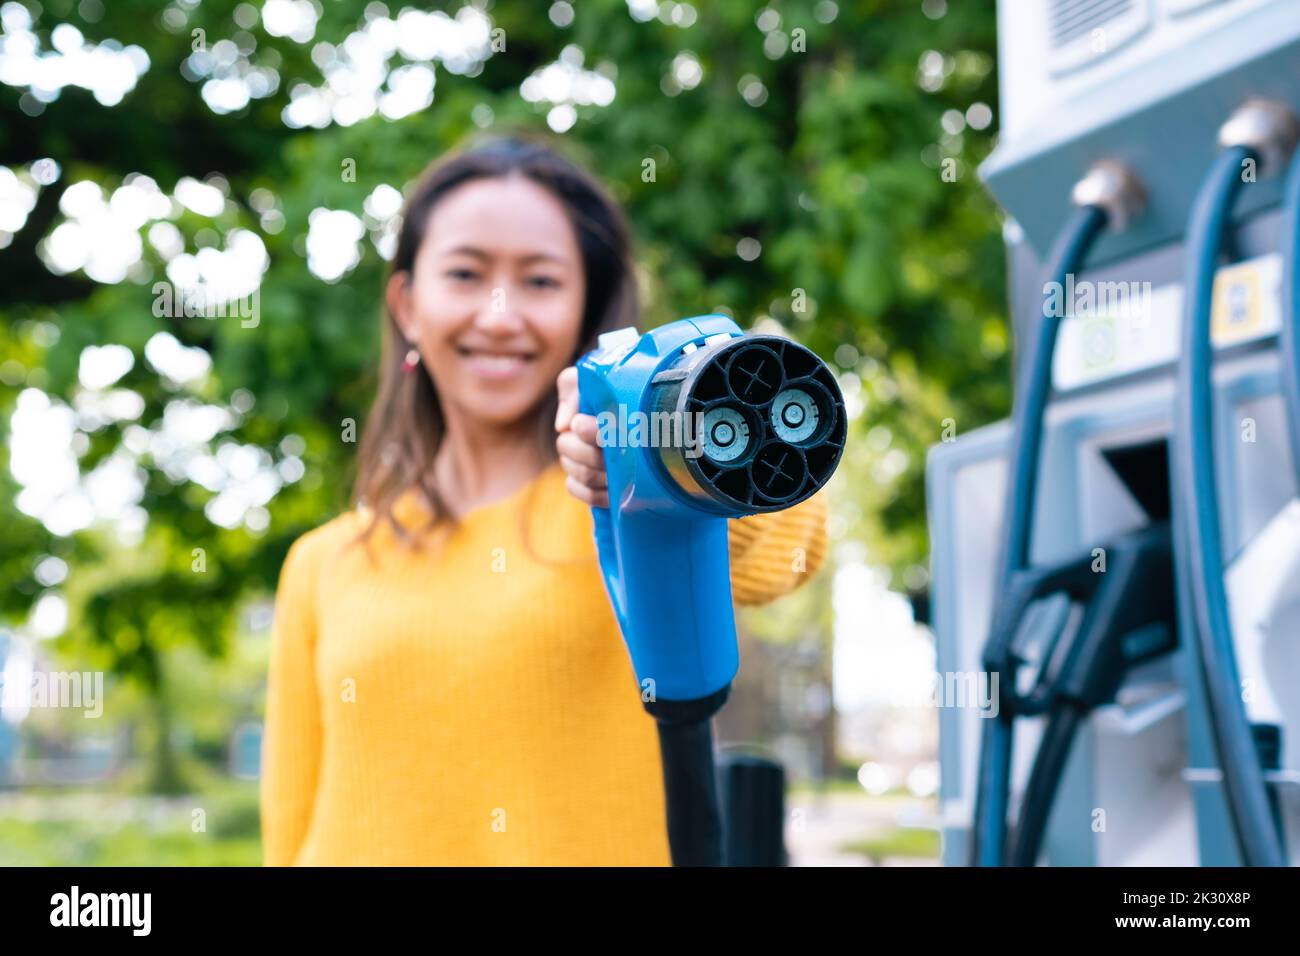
pixel 448 684
pixel 527 285
pixel 510 261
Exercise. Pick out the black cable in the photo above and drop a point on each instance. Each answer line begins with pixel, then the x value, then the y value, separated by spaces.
pixel 691 792
pixel 1199 511
pixel 1290 337
pixel 989 828
pixel 1044 778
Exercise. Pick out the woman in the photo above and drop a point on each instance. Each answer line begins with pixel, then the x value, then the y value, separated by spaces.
pixel 448 685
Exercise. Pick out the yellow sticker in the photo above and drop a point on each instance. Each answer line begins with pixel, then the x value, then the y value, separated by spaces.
pixel 1237 312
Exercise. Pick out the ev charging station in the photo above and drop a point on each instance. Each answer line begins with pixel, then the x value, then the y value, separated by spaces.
pixel 1124 554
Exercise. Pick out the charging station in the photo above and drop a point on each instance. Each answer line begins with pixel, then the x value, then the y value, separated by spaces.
pixel 1177 119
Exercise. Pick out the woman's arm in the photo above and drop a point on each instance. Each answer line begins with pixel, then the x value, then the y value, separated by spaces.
pixel 292 740
pixel 774 553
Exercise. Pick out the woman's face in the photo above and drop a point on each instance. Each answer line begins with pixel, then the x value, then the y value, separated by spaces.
pixel 496 298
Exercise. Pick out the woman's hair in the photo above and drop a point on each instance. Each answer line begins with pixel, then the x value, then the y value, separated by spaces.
pixel 406 425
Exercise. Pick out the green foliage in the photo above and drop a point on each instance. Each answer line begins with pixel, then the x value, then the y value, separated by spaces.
pixel 867 255
pixel 93 829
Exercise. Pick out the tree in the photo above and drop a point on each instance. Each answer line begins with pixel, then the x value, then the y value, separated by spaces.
pixel 806 163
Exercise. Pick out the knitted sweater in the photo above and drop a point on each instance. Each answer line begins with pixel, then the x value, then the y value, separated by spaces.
pixel 471 702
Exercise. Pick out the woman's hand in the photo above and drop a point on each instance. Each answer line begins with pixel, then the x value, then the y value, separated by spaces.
pixel 580 456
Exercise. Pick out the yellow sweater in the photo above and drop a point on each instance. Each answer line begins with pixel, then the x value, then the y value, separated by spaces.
pixel 472 703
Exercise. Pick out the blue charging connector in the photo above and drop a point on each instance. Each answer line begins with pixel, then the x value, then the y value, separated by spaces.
pixel 699 422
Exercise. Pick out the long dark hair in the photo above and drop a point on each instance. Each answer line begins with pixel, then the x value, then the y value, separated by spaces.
pixel 406 425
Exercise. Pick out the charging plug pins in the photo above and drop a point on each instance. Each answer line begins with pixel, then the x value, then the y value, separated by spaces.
pixel 795 415
pixel 725 434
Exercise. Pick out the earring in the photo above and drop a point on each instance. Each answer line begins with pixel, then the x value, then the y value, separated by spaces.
pixel 411 361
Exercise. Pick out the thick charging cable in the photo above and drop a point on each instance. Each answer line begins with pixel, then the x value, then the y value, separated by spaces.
pixel 1249 137
pixel 1290 336
pixel 989 832
pixel 695 829
pixel 1290 375
pixel 1289 372
pixel 1107 195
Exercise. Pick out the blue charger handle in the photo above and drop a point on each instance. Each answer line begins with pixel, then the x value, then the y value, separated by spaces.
pixel 663 542
pixel 606 548
pixel 663 556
